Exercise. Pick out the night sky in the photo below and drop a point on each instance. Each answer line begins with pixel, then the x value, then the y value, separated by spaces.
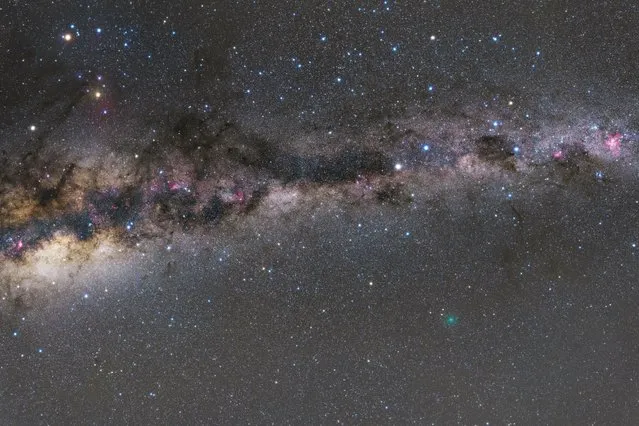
pixel 287 212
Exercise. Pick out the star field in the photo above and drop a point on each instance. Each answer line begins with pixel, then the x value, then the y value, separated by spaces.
pixel 317 213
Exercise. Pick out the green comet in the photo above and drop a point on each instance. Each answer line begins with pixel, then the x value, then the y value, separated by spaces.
pixel 451 320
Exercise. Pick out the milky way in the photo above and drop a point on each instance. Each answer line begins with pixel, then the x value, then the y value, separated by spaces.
pixel 319 213
pixel 198 173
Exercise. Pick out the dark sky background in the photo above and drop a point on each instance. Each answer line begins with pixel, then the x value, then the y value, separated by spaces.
pixel 278 212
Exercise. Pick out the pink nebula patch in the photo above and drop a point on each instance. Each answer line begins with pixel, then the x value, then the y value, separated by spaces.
pixel 613 142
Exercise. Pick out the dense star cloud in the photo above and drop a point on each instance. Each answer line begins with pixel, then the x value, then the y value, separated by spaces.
pixel 316 212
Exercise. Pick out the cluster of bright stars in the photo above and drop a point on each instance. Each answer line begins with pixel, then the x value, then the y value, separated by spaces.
pixel 424 148
pixel 69 36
